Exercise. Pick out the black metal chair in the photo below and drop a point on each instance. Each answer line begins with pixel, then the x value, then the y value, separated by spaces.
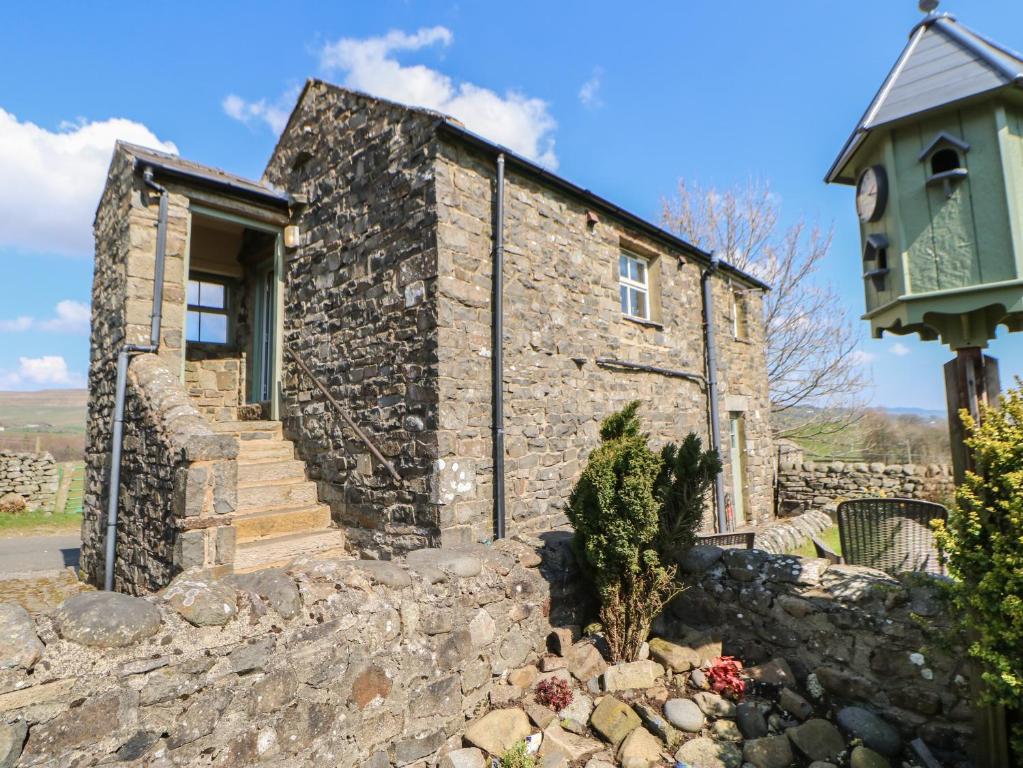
pixel 741 540
pixel 892 535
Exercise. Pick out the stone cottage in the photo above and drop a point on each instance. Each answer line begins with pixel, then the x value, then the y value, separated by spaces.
pixel 318 368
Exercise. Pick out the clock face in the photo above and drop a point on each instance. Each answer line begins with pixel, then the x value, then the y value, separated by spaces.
pixel 872 193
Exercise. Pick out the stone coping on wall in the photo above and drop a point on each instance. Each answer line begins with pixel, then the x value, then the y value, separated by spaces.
pixel 786 534
pixel 180 423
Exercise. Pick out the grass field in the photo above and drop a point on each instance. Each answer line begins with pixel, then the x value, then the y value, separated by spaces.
pixel 829 537
pixel 38 524
pixel 50 420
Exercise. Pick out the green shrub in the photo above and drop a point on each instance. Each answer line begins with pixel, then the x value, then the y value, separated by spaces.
pixel 633 510
pixel 983 541
pixel 518 757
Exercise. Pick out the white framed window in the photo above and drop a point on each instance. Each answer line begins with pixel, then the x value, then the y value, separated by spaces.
pixel 740 320
pixel 634 285
pixel 206 321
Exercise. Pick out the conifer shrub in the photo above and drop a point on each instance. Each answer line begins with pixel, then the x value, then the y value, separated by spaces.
pixel 983 544
pixel 633 511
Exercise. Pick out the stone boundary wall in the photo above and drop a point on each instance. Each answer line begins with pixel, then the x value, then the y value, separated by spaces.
pixel 851 636
pixel 822 485
pixel 33 476
pixel 334 662
pixel 178 485
pixel 788 534
pixel 216 385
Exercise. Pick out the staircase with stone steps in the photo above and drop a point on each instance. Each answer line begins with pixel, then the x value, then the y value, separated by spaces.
pixel 278 517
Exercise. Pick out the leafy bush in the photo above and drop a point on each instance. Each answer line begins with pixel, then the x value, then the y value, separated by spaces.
pixel 984 548
pixel 518 757
pixel 725 677
pixel 554 692
pixel 633 510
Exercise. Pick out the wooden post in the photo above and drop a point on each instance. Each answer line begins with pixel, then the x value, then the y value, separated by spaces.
pixel 971 380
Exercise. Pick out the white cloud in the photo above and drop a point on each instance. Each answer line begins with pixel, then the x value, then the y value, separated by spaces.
pixel 40 373
pixel 17 325
pixel 274 115
pixel 860 357
pixel 899 349
pixel 519 122
pixel 52 179
pixel 589 94
pixel 70 317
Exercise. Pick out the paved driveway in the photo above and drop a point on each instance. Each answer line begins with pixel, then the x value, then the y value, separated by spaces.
pixel 22 554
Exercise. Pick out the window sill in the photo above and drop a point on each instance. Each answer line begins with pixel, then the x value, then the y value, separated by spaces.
pixel 643 322
pixel 742 339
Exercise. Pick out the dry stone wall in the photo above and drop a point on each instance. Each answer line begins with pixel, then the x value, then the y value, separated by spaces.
pixel 852 636
pixel 216 385
pixel 334 662
pixel 33 476
pixel 178 486
pixel 822 485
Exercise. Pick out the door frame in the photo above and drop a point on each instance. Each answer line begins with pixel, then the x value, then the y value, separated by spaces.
pixel 737 457
pixel 278 310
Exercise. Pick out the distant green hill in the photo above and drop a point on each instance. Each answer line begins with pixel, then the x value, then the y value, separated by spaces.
pixel 51 420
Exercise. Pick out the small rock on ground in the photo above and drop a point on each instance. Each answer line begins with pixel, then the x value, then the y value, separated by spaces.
pixel 684 714
pixel 106 619
pixel 641 749
pixel 864 757
pixel 817 739
pixel 707 753
pixel 768 752
pixel 274 586
pixel 497 731
pixel 871 729
pixel 725 730
pixel 633 674
pixel 614 720
pixel 470 757
pixel 751 720
pixel 713 705
pixel 573 746
pixel 676 658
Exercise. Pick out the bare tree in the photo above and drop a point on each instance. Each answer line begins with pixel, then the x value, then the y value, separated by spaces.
pixel 815 376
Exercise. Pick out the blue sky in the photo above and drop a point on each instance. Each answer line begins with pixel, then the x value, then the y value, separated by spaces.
pixel 623 99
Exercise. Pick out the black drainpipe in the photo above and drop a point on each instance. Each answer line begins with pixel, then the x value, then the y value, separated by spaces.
pixel 712 385
pixel 497 342
pixel 122 379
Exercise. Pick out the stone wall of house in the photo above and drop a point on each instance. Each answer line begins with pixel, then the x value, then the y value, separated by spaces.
pixel 33 476
pixel 358 309
pixel 823 484
pixel 562 316
pixel 336 662
pixel 851 636
pixel 216 385
pixel 178 486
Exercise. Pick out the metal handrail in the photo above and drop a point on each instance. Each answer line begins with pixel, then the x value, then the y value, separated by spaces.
pixel 342 413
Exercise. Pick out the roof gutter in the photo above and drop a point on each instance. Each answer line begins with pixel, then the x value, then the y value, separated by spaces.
pixel 553 180
pixel 167 170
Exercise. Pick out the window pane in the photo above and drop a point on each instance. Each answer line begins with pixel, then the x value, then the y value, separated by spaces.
pixel 624 298
pixel 192 325
pixel 193 292
pixel 213 328
pixel 638 303
pixel 640 272
pixel 623 265
pixel 211 295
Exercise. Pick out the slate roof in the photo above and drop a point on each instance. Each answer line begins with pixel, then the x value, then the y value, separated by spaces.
pixel 173 165
pixel 943 63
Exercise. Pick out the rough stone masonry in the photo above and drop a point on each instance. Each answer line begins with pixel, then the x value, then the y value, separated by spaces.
pixel 33 476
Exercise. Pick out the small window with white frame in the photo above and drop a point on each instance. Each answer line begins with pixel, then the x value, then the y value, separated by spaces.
pixel 634 285
pixel 740 318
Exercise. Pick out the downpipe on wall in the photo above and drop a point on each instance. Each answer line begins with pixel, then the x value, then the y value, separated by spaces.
pixel 123 356
pixel 712 385
pixel 497 356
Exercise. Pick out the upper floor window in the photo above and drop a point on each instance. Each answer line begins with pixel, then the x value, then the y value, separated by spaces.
pixel 207 310
pixel 740 318
pixel 634 285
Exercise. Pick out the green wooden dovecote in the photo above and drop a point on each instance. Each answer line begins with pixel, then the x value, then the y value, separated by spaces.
pixel 937 162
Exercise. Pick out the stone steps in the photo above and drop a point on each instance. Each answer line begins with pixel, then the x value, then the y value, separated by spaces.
pixel 263 494
pixel 269 470
pixel 281 550
pixel 280 521
pixel 279 516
